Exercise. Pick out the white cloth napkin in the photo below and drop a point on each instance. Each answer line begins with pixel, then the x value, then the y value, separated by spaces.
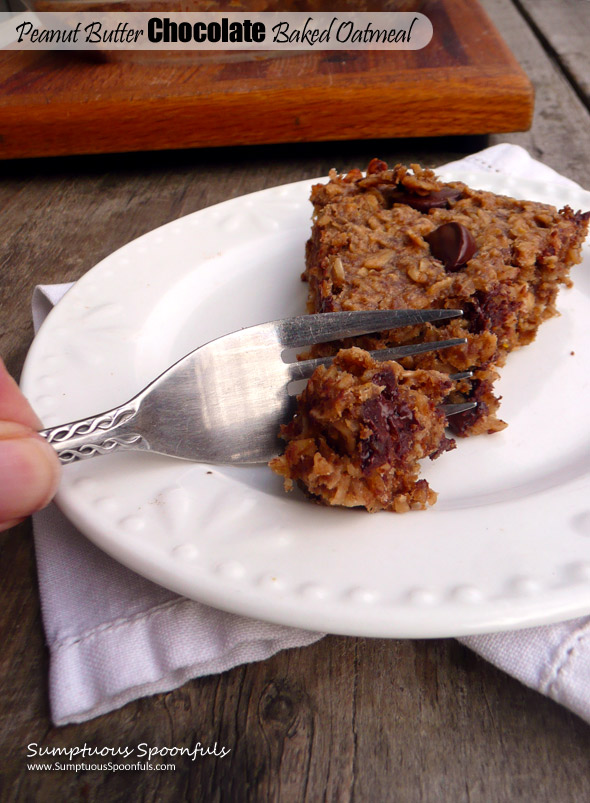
pixel 114 637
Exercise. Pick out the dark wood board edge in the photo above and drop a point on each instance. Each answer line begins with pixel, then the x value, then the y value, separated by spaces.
pixel 463 104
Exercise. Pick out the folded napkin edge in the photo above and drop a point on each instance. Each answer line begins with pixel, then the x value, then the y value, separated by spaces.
pixel 565 655
pixel 116 624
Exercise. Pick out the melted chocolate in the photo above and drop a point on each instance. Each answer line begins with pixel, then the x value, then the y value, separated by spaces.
pixel 488 313
pixel 392 424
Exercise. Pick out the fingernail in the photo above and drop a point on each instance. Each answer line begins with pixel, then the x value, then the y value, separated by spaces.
pixel 29 471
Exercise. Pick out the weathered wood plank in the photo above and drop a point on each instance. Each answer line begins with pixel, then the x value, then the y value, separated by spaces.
pixel 564 29
pixel 558 135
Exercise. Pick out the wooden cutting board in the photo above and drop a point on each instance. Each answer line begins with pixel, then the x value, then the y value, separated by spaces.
pixel 465 81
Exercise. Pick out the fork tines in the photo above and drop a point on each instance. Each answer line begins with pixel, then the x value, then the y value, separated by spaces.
pixel 305 368
pixel 306 330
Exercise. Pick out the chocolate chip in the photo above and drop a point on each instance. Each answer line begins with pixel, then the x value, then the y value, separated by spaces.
pixel 437 199
pixel 490 312
pixel 453 244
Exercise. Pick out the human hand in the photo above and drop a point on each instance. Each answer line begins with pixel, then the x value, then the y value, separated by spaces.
pixel 29 468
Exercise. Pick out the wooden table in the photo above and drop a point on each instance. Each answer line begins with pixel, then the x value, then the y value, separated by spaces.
pixel 348 718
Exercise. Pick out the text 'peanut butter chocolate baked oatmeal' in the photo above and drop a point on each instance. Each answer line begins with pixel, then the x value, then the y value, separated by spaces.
pixel 402 239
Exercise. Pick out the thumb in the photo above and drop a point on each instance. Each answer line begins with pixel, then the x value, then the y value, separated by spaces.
pixel 29 473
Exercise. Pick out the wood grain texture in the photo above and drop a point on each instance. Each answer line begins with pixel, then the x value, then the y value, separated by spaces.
pixel 465 81
pixel 345 719
pixel 559 133
pixel 564 30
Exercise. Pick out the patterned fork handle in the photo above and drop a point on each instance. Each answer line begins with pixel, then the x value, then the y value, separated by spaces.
pixel 101 434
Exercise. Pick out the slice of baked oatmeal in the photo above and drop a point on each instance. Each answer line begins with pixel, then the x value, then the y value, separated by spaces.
pixel 360 429
pixel 401 238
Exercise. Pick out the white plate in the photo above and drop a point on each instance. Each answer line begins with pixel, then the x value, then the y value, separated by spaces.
pixel 506 546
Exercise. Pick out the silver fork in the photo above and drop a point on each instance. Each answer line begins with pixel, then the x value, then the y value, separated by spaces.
pixel 225 401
